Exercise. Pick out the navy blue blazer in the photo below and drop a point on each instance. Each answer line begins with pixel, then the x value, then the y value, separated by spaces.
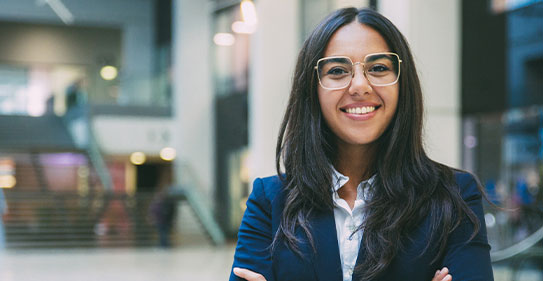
pixel 465 260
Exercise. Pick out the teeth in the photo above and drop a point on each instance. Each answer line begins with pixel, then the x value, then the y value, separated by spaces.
pixel 360 110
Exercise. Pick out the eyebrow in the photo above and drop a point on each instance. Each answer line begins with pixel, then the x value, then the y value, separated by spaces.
pixel 379 56
pixel 336 59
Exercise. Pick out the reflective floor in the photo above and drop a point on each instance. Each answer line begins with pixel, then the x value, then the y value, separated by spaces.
pixel 502 273
pixel 195 262
pixel 198 262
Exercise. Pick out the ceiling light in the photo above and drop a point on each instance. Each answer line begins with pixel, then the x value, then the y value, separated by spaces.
pixel 248 12
pixel 108 72
pixel 7 181
pixel 224 39
pixel 137 158
pixel 62 12
pixel 167 154
pixel 243 27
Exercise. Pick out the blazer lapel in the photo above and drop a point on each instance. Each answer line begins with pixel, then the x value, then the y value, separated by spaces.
pixel 327 262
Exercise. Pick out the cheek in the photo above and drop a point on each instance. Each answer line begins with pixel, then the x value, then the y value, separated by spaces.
pixel 328 106
pixel 393 107
pixel 391 101
pixel 323 103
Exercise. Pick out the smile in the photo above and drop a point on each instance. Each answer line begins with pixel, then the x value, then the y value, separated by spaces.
pixel 360 110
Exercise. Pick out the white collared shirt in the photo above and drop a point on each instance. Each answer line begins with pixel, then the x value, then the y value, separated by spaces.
pixel 347 221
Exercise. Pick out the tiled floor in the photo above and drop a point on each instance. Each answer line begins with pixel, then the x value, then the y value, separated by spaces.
pixel 200 262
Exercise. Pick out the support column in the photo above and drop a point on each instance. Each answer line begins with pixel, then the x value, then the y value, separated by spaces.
pixel 433 31
pixel 274 49
pixel 192 92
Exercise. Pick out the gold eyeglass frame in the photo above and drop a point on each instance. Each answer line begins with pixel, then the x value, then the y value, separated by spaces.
pixel 363 69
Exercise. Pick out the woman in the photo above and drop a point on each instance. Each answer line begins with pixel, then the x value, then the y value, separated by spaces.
pixel 359 198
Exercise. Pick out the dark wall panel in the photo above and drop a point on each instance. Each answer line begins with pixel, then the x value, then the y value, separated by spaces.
pixel 483 58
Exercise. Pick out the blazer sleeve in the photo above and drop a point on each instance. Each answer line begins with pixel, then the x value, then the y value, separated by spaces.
pixel 469 260
pixel 255 235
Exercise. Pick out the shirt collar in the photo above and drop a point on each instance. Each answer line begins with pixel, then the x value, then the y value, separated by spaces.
pixel 339 180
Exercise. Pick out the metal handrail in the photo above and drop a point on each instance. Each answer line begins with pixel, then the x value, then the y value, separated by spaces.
pixel 193 189
pixel 517 248
pixel 90 144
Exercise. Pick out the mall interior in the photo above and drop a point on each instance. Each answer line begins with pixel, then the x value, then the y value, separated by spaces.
pixel 131 130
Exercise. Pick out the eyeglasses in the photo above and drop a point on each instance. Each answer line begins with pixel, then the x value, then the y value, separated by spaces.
pixel 381 69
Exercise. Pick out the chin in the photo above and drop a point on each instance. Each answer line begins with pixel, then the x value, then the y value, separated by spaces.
pixel 360 140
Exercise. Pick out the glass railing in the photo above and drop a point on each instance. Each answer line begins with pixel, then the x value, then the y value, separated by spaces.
pixel 506 152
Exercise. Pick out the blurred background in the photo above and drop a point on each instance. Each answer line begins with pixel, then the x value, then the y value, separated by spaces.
pixel 130 130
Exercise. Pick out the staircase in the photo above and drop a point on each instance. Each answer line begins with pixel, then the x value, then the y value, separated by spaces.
pixel 45 212
pixel 39 219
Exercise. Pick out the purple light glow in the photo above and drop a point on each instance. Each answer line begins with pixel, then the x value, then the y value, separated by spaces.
pixel 64 159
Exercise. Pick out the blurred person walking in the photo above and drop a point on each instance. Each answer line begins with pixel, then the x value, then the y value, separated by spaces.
pixel 359 199
pixel 163 212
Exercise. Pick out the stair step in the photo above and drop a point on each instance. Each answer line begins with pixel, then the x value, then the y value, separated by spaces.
pixel 15 233
pixel 79 237
pixel 82 244
pixel 67 220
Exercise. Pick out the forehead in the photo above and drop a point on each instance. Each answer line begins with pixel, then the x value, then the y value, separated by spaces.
pixel 355 40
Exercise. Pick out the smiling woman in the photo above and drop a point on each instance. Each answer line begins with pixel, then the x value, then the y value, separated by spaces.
pixel 359 199
pixel 359 112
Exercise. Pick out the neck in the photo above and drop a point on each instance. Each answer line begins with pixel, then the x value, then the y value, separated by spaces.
pixel 356 161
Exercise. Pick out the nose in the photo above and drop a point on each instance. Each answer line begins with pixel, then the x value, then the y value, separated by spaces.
pixel 359 83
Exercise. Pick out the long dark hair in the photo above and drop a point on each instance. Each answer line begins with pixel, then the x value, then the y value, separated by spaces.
pixel 408 185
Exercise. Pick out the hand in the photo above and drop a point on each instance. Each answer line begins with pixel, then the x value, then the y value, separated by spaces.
pixel 250 275
pixel 442 275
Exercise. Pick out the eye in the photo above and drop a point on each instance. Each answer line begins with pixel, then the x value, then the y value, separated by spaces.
pixel 377 68
pixel 337 71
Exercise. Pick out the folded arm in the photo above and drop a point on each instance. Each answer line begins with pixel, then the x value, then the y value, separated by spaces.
pixel 255 236
pixel 469 260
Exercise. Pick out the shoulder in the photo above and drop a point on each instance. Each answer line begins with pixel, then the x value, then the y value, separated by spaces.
pixel 468 184
pixel 267 188
pixel 463 177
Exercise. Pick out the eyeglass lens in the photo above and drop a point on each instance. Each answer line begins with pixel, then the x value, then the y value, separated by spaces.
pixel 337 72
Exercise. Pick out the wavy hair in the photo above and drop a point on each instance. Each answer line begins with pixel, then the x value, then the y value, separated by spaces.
pixel 408 185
